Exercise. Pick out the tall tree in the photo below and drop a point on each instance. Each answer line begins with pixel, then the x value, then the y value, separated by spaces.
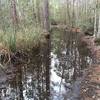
pixel 47 47
pixel 98 14
pixel 73 13
pixel 46 15
pixel 68 10
pixel 95 19
pixel 14 15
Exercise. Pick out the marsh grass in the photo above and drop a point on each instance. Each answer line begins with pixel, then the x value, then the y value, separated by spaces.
pixel 22 39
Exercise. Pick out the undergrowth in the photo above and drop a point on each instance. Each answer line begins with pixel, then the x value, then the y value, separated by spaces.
pixel 22 39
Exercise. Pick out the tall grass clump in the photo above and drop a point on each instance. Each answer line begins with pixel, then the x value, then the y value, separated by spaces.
pixel 22 39
pixel 12 42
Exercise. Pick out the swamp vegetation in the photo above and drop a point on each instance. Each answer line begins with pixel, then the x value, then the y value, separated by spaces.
pixel 48 49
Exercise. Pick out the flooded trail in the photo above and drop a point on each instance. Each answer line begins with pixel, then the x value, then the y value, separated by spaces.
pixel 31 76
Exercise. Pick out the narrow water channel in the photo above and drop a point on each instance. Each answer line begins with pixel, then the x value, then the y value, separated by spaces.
pixel 70 58
pixel 30 80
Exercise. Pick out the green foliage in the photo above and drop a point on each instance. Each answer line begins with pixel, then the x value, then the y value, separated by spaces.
pixel 23 39
pixel 28 30
pixel 86 26
pixel 12 42
pixel 28 37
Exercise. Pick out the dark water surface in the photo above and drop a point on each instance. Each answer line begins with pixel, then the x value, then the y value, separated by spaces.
pixel 40 78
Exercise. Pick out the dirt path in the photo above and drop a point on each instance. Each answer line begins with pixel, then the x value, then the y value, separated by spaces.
pixel 91 84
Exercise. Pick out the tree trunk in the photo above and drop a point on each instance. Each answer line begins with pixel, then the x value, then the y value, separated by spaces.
pixel 73 14
pixel 98 34
pixel 68 11
pixel 95 24
pixel 98 18
pixel 46 15
pixel 14 15
pixel 47 48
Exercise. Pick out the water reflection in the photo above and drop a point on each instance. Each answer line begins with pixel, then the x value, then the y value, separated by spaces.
pixel 34 76
pixel 68 66
pixel 25 80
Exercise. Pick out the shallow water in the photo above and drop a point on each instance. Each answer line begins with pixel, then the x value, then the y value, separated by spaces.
pixel 30 80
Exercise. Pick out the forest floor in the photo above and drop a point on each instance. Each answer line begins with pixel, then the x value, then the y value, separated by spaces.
pixel 91 84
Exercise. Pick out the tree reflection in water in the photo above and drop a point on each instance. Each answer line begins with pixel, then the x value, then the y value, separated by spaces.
pixel 27 78
pixel 68 64
pixel 44 77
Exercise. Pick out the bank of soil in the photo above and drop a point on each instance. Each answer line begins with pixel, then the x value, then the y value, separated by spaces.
pixel 91 85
